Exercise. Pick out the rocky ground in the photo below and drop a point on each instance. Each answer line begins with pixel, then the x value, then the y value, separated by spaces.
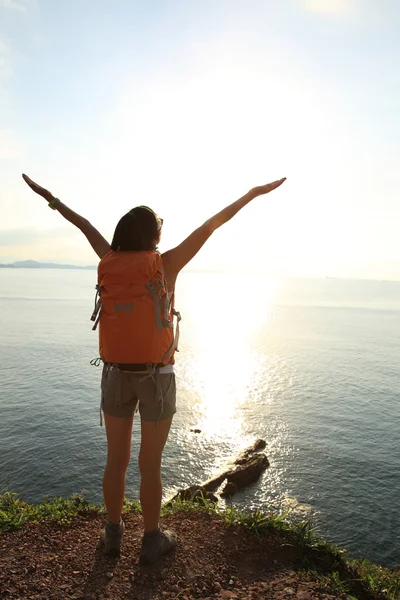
pixel 46 560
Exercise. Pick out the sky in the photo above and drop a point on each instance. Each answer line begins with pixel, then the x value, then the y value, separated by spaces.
pixel 186 105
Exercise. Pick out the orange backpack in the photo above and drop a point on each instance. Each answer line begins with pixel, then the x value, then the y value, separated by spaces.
pixel 134 310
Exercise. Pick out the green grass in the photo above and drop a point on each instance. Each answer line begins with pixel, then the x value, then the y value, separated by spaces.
pixel 376 578
pixel 320 561
pixel 15 513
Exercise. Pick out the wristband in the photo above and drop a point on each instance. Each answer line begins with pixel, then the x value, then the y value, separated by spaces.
pixel 53 202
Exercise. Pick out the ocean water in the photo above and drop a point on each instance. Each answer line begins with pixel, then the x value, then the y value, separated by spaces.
pixel 311 366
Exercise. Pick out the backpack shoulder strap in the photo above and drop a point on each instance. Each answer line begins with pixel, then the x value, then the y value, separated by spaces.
pixel 97 308
pixel 157 304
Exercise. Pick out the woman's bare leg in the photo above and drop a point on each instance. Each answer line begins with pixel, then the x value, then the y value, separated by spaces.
pixel 154 437
pixel 119 436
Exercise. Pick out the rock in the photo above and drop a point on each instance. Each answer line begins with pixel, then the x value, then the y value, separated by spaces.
pixel 213 484
pixel 227 594
pixel 289 591
pixel 249 472
pixel 259 445
pixel 247 468
pixel 256 447
pixel 229 489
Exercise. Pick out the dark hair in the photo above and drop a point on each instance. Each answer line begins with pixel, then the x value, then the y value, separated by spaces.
pixel 137 230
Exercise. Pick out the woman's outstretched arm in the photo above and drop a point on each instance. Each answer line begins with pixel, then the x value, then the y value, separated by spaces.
pixel 174 260
pixel 94 237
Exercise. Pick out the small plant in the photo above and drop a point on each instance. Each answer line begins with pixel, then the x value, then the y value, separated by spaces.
pixel 201 504
pixel 129 506
pixel 379 581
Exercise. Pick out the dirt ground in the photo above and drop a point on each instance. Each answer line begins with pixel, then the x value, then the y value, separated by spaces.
pixel 49 561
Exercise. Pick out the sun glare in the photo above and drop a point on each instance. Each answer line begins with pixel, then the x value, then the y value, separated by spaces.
pixel 225 365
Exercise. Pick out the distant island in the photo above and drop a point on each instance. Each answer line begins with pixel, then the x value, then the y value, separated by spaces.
pixel 34 264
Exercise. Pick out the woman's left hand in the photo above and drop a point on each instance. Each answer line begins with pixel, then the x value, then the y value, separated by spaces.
pixel 264 189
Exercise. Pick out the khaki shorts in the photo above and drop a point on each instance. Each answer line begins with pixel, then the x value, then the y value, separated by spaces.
pixel 123 393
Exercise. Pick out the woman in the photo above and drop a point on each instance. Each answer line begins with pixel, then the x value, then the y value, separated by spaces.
pixel 123 389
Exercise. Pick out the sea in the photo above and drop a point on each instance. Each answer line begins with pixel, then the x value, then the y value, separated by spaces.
pixel 309 365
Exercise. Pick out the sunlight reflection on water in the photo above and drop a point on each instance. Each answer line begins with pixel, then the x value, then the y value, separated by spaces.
pixel 222 371
pixel 225 383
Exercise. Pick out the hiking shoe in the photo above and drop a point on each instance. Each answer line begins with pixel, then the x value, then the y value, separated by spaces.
pixel 111 538
pixel 156 545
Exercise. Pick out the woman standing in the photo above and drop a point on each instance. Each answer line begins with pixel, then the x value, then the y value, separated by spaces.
pixel 139 374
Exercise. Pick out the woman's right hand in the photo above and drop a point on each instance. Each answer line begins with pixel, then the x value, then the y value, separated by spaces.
pixel 95 239
pixel 38 189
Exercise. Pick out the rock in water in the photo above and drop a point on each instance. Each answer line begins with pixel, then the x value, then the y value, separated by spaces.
pixel 256 447
pixel 246 469
pixel 213 484
pixel 229 489
pixel 246 473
